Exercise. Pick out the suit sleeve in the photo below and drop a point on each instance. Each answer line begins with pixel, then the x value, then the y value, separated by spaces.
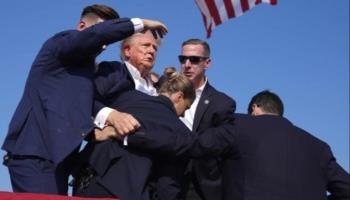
pixel 225 112
pixel 337 178
pixel 211 142
pixel 110 80
pixel 89 42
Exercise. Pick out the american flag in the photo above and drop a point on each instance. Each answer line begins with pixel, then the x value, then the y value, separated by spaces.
pixel 215 12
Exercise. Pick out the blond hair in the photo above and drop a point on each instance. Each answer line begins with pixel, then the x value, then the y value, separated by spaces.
pixel 177 82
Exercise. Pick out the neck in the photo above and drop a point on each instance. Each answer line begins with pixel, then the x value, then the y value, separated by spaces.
pixel 199 83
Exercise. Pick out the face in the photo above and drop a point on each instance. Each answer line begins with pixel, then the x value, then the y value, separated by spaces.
pixel 141 52
pixel 180 103
pixel 195 71
pixel 182 106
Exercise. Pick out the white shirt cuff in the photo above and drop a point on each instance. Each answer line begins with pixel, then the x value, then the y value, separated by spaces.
pixel 138 24
pixel 125 141
pixel 101 117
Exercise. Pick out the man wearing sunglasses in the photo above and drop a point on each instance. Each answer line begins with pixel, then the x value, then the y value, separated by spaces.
pixel 211 108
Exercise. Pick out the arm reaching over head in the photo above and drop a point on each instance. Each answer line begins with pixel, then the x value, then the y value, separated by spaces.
pixel 157 26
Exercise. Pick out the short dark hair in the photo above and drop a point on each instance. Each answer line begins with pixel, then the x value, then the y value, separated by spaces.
pixel 268 102
pixel 102 11
pixel 195 41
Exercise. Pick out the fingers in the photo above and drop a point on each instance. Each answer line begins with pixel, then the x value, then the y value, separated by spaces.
pixel 159 27
pixel 163 30
pixel 104 134
pixel 123 123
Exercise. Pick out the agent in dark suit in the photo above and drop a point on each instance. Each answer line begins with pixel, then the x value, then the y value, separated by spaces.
pixel 54 114
pixel 277 160
pixel 264 156
pixel 211 108
pixel 124 173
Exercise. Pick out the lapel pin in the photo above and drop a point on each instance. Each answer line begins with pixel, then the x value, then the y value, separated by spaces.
pixel 206 101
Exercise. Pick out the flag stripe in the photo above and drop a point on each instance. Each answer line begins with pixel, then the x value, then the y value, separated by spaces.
pixel 244 5
pixel 273 2
pixel 213 11
pixel 237 7
pixel 207 26
pixel 229 9
pixel 205 12
pixel 220 5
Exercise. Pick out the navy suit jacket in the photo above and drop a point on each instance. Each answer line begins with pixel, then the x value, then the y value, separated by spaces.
pixel 54 114
pixel 264 157
pixel 213 110
pixel 124 172
pixel 277 160
pixel 112 79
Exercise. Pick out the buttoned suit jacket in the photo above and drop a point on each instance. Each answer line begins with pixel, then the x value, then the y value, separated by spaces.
pixel 213 110
pixel 54 113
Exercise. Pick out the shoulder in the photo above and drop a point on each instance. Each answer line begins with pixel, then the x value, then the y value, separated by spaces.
pixel 310 138
pixel 218 96
pixel 56 39
pixel 108 67
pixel 110 64
pixel 214 92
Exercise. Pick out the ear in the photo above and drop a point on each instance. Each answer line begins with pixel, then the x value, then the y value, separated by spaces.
pixel 126 51
pixel 256 110
pixel 81 25
pixel 177 96
pixel 207 63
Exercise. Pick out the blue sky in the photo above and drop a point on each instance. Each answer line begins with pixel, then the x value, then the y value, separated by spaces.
pixel 298 49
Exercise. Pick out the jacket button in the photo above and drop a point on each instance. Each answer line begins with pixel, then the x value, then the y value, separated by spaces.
pixel 83 134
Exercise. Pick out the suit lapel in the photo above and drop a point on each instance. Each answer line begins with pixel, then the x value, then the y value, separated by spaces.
pixel 203 104
pixel 129 76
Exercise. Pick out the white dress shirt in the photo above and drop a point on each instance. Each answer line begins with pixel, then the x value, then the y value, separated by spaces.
pixel 189 114
pixel 141 84
pixel 144 85
pixel 102 115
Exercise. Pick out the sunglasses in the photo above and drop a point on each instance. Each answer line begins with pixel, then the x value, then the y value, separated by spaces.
pixel 193 59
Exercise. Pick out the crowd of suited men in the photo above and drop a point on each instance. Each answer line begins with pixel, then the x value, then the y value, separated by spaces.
pixel 154 138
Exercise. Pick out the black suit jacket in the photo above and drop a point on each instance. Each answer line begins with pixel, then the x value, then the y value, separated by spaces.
pixel 276 160
pixel 264 157
pixel 54 114
pixel 124 172
pixel 112 79
pixel 213 110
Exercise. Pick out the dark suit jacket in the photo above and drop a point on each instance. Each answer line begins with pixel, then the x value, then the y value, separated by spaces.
pixel 112 79
pixel 277 160
pixel 125 172
pixel 213 110
pixel 54 114
pixel 264 157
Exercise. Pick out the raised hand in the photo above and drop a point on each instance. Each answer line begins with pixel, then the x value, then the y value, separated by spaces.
pixel 157 26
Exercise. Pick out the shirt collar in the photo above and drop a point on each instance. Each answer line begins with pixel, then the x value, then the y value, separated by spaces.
pixel 199 90
pixel 133 71
pixel 142 84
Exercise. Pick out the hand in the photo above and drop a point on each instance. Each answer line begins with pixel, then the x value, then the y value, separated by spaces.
pixel 105 133
pixel 123 123
pixel 157 26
